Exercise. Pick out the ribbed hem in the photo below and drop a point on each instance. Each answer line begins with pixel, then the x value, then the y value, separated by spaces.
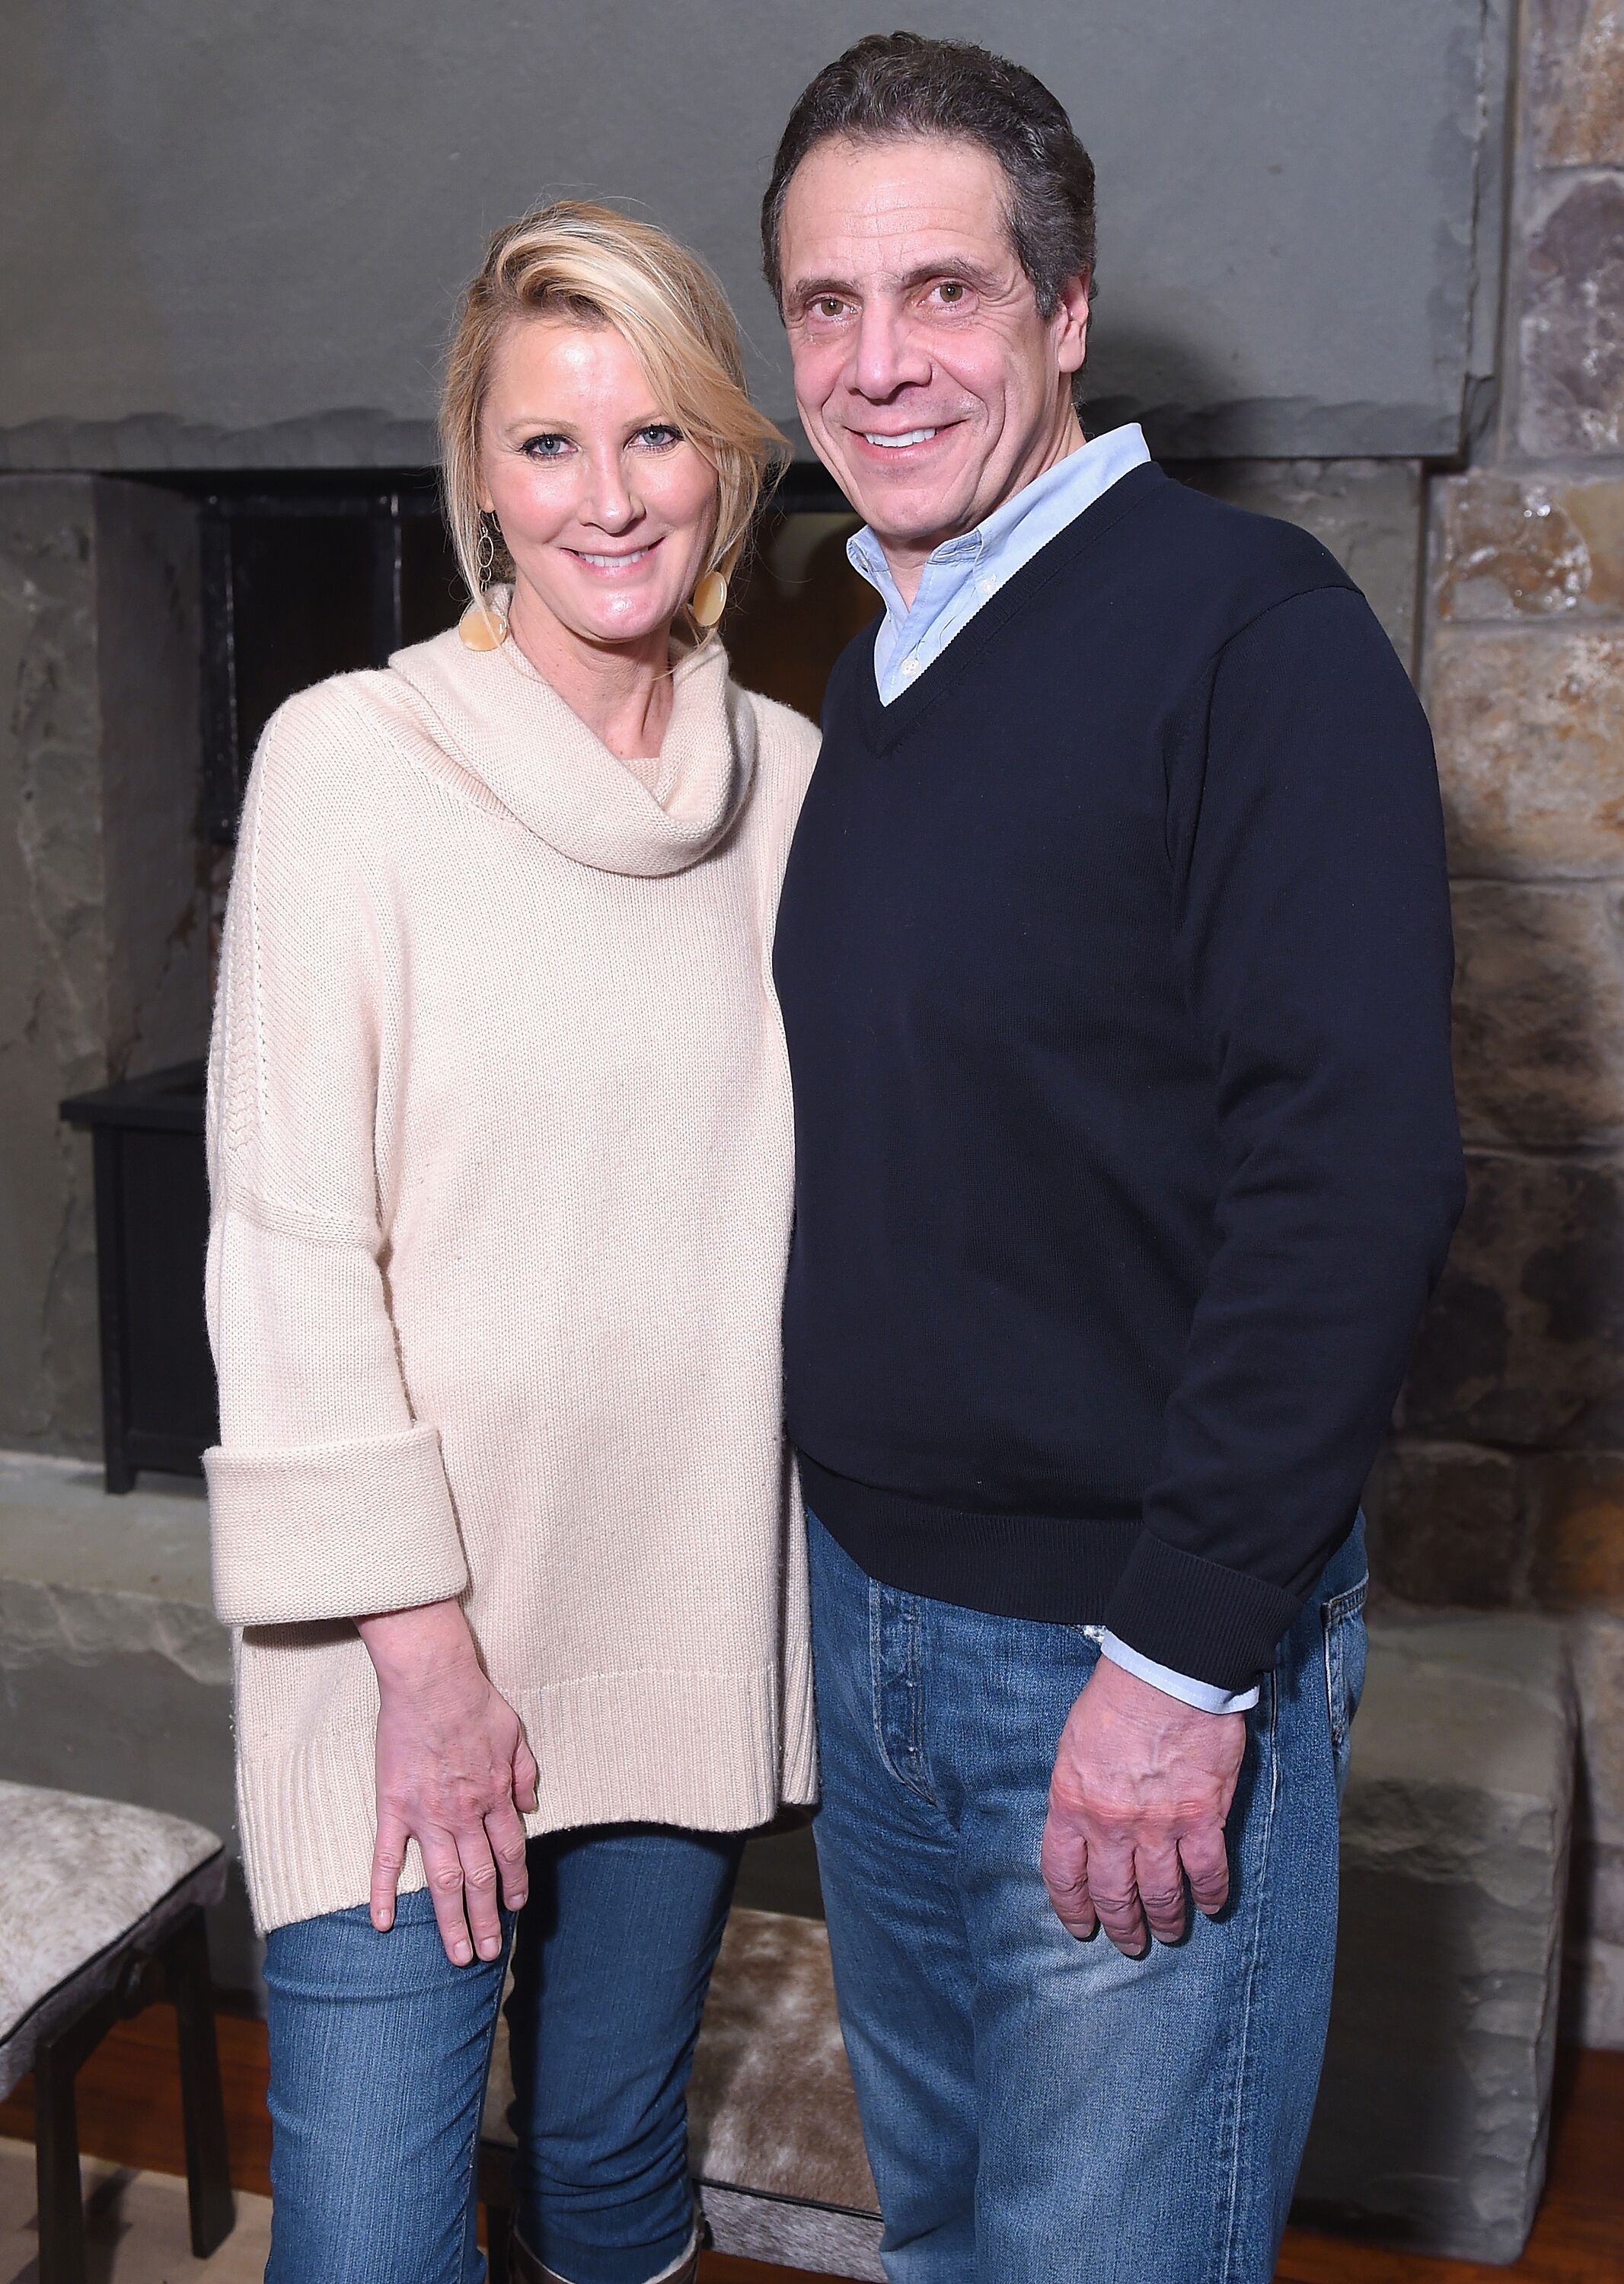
pixel 1050 1567
pixel 706 1752
pixel 335 1530
pixel 1219 1625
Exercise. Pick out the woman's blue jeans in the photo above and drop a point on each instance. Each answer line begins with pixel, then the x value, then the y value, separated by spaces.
pixel 1039 2110
pixel 379 2049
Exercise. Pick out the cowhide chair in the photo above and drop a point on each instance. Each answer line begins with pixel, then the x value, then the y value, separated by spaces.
pixel 773 2132
pixel 101 1911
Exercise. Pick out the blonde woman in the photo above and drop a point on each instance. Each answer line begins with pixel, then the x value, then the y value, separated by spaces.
pixel 500 1145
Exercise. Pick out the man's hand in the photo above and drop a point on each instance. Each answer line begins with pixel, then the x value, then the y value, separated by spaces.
pixel 453 1773
pixel 1141 1788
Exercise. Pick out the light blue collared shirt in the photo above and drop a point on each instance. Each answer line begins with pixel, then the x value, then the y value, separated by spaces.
pixel 959 576
pixel 965 573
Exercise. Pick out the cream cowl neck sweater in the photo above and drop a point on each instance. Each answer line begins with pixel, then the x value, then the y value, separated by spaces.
pixel 500 1144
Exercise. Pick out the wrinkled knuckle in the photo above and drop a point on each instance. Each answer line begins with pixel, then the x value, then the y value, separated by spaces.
pixel 447 1879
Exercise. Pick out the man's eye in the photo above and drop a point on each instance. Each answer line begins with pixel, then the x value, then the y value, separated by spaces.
pixel 828 306
pixel 546 447
pixel 951 289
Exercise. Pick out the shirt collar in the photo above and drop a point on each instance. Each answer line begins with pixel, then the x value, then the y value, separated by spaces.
pixel 1060 494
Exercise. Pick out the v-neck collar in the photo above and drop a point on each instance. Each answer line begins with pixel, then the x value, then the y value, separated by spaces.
pixel 887 725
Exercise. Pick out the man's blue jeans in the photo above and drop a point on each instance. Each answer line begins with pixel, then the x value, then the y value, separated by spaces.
pixel 1039 2110
pixel 379 2049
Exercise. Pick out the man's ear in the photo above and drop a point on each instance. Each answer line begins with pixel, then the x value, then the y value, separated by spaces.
pixel 1071 320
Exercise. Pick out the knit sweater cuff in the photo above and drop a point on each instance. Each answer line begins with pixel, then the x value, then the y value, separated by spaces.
pixel 335 1530
pixel 1198 1617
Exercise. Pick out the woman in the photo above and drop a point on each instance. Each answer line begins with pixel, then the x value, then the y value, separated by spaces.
pixel 499 1147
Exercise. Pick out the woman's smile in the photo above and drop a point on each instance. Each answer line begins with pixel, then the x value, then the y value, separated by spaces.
pixel 618 562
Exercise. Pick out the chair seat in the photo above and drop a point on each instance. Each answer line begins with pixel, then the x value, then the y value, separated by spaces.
pixel 774 2138
pixel 83 1884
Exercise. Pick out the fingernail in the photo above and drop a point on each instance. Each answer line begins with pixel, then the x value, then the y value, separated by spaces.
pixel 491 1945
pixel 461 1954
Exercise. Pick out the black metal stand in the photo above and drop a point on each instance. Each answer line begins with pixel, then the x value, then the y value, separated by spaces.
pixel 177 1970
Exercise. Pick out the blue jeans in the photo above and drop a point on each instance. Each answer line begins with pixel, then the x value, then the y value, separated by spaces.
pixel 379 2049
pixel 1039 2110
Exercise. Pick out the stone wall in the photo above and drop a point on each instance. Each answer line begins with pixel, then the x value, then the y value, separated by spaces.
pixel 1505 1482
pixel 103 923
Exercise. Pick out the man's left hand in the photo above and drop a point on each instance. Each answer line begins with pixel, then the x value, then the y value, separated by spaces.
pixel 1140 1789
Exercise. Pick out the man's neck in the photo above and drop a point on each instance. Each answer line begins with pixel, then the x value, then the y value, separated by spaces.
pixel 906 559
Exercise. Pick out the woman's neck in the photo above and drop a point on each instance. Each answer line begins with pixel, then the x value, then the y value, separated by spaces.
pixel 621 691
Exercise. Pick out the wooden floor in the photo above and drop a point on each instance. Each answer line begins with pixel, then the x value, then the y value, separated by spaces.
pixel 129 2111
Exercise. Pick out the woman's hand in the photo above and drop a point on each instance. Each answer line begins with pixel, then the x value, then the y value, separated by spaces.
pixel 453 1773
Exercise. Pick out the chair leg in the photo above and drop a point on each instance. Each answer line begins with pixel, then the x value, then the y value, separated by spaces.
pixel 208 2165
pixel 56 2162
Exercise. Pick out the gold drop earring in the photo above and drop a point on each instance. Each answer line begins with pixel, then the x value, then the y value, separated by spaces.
pixel 709 600
pixel 483 625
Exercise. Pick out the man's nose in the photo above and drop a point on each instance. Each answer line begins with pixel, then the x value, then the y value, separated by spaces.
pixel 887 356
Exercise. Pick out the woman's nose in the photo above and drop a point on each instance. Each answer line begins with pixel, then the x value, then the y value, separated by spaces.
pixel 609 502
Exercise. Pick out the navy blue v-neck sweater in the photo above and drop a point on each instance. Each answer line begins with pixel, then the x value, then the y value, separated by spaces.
pixel 1115 961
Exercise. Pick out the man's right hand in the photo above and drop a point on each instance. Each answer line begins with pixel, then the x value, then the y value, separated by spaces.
pixel 1141 1787
pixel 453 1773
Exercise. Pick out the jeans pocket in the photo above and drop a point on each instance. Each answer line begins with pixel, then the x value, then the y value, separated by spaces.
pixel 1347 1645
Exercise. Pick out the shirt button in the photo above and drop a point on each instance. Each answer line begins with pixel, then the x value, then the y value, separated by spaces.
pixel 911 666
pixel 988 586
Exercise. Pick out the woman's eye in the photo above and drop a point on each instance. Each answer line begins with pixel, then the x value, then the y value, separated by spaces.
pixel 546 447
pixel 660 435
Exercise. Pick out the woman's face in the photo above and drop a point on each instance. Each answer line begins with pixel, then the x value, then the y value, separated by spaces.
pixel 607 511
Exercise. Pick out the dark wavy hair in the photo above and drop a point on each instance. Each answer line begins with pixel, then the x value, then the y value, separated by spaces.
pixel 898 83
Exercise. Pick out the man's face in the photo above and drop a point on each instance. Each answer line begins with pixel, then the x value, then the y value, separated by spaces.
pixel 927 382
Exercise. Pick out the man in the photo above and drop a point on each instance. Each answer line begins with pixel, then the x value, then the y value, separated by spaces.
pixel 1115 963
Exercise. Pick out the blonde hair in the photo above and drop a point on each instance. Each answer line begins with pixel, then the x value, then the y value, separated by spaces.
pixel 591 265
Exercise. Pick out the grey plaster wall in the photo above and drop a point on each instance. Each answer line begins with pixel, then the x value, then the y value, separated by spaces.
pixel 235 234
pixel 104 956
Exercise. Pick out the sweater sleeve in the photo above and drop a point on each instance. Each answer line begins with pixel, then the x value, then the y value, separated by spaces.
pixel 1313 931
pixel 327 1500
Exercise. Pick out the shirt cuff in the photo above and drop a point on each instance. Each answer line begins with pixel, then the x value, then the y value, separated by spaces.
pixel 1203 1695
